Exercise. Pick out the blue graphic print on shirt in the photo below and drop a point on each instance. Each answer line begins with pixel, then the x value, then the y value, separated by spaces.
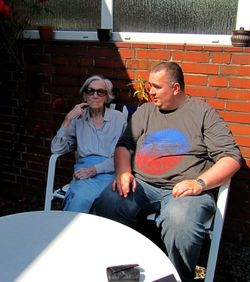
pixel 161 151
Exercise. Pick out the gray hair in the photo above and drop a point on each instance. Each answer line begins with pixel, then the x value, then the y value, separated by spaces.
pixel 108 86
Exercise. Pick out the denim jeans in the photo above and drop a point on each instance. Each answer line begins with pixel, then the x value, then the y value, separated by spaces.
pixel 181 220
pixel 82 193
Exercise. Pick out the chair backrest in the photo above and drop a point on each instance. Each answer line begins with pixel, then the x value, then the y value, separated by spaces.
pixel 127 110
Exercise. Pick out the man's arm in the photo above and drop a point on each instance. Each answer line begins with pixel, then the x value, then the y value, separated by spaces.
pixel 125 180
pixel 218 174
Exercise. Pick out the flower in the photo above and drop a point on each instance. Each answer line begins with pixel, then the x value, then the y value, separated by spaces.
pixel 15 17
pixel 58 103
pixel 28 8
pixel 5 9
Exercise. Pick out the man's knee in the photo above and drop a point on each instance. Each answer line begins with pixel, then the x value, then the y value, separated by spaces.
pixel 104 202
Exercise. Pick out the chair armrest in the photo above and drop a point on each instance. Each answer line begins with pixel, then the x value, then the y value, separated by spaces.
pixel 50 180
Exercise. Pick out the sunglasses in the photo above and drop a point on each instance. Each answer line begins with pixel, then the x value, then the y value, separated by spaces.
pixel 100 92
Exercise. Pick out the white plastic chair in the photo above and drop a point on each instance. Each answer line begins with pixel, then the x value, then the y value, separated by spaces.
pixel 215 230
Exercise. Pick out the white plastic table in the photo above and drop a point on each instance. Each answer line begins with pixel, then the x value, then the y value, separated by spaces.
pixel 66 246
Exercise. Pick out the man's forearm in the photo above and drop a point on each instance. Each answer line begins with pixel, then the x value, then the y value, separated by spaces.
pixel 220 172
pixel 122 160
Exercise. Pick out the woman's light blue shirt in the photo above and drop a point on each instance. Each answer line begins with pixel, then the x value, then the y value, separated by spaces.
pixel 88 140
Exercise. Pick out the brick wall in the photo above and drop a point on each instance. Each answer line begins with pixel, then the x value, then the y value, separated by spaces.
pixel 57 69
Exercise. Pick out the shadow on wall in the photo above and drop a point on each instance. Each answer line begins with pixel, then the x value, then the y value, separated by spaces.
pixel 34 106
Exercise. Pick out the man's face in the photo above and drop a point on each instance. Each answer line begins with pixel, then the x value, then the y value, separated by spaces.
pixel 163 92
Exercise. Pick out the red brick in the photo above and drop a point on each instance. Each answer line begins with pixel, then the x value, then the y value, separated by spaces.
pixel 236 117
pixel 123 45
pixel 217 81
pixel 214 48
pixel 143 74
pixel 153 54
pixel 245 151
pixel 140 64
pixel 200 68
pixel 101 51
pixel 221 58
pixel 242 141
pixel 191 47
pixel 201 91
pixel 196 79
pixel 217 104
pixel 241 129
pixel 237 94
pixel 235 70
pixel 126 53
pixel 175 47
pixel 243 83
pixel 241 59
pixel 238 106
pixel 199 57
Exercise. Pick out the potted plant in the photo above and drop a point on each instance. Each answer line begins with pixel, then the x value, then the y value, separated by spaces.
pixel 140 89
pixel 40 7
pixel 16 16
pixel 104 34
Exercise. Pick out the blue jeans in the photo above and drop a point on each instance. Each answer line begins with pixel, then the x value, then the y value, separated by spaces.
pixel 181 220
pixel 82 193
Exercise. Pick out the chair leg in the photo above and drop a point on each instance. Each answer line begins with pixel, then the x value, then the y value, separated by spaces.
pixel 50 181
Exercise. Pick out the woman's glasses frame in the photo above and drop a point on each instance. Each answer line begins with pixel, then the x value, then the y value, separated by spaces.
pixel 100 92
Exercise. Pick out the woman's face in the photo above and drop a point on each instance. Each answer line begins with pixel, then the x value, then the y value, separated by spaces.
pixel 96 94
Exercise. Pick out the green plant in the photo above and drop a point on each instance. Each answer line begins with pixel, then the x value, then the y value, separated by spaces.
pixel 140 90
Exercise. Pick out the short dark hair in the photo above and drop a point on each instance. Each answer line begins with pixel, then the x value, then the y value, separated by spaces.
pixel 174 70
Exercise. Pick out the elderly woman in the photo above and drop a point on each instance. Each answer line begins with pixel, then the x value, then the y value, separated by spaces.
pixel 94 129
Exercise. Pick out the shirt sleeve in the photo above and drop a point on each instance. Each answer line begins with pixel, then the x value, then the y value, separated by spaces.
pixel 64 141
pixel 134 129
pixel 218 138
pixel 106 166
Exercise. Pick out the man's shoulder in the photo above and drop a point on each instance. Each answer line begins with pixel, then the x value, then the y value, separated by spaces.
pixel 198 102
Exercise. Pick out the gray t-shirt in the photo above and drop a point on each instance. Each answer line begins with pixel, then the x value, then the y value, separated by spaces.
pixel 179 144
pixel 88 140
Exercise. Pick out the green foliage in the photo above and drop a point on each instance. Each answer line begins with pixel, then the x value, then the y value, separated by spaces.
pixel 140 90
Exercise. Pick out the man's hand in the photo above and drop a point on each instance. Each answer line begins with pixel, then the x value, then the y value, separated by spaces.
pixel 124 183
pixel 187 188
pixel 84 173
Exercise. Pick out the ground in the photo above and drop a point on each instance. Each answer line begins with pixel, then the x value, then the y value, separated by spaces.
pixel 233 263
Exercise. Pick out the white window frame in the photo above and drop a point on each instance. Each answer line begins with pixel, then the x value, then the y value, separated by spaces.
pixel 242 20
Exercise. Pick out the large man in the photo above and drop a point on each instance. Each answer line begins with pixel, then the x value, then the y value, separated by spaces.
pixel 175 150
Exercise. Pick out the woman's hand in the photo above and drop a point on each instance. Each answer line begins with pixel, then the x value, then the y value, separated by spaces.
pixel 84 173
pixel 76 112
